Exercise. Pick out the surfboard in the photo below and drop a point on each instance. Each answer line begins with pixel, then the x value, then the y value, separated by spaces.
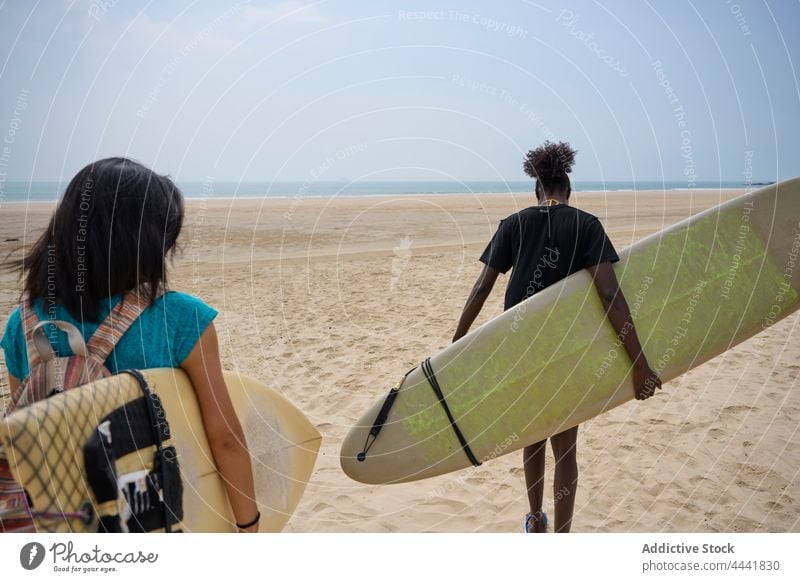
pixel 695 289
pixel 283 448
pixel 44 443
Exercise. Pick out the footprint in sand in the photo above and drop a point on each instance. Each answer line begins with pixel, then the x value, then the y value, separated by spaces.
pixel 736 409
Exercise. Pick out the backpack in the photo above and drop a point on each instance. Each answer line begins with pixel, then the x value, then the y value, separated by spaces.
pixel 51 375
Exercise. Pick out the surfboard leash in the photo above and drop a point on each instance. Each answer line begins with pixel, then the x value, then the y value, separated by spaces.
pixel 383 414
pixel 380 420
pixel 159 464
pixel 427 369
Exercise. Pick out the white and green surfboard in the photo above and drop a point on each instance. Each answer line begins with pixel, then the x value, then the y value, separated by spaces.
pixel 696 289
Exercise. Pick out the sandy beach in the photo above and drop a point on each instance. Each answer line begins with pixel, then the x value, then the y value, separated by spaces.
pixel 331 300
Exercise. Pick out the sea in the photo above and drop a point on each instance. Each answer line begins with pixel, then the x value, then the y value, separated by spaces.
pixel 51 191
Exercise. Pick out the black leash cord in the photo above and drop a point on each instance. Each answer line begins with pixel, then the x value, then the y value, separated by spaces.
pixel 380 420
pixel 159 444
pixel 427 369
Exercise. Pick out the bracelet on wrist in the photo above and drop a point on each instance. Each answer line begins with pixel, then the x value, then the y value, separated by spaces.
pixel 250 524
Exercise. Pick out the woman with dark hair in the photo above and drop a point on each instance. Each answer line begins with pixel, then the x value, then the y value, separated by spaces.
pixel 542 245
pixel 109 237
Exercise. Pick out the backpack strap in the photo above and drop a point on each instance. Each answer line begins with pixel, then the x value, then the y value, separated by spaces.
pixel 42 345
pixel 29 322
pixel 114 326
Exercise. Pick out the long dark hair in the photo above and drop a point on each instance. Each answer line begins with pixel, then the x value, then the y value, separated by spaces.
pixel 549 165
pixel 112 232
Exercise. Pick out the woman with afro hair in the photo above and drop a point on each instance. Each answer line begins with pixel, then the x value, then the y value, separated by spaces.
pixel 542 245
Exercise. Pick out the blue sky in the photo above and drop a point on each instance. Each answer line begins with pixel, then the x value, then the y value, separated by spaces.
pixel 293 90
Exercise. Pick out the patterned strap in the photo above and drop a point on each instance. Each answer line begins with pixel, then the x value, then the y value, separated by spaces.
pixel 102 342
pixel 15 515
pixel 42 343
pixel 14 512
pixel 29 322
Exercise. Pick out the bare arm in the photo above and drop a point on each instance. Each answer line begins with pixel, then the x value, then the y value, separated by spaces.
pixel 224 432
pixel 645 381
pixel 477 297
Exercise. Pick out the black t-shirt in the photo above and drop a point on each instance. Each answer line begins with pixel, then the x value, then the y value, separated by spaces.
pixel 545 244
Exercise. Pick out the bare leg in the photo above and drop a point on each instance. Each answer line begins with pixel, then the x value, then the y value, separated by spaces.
pixel 565 483
pixel 533 462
